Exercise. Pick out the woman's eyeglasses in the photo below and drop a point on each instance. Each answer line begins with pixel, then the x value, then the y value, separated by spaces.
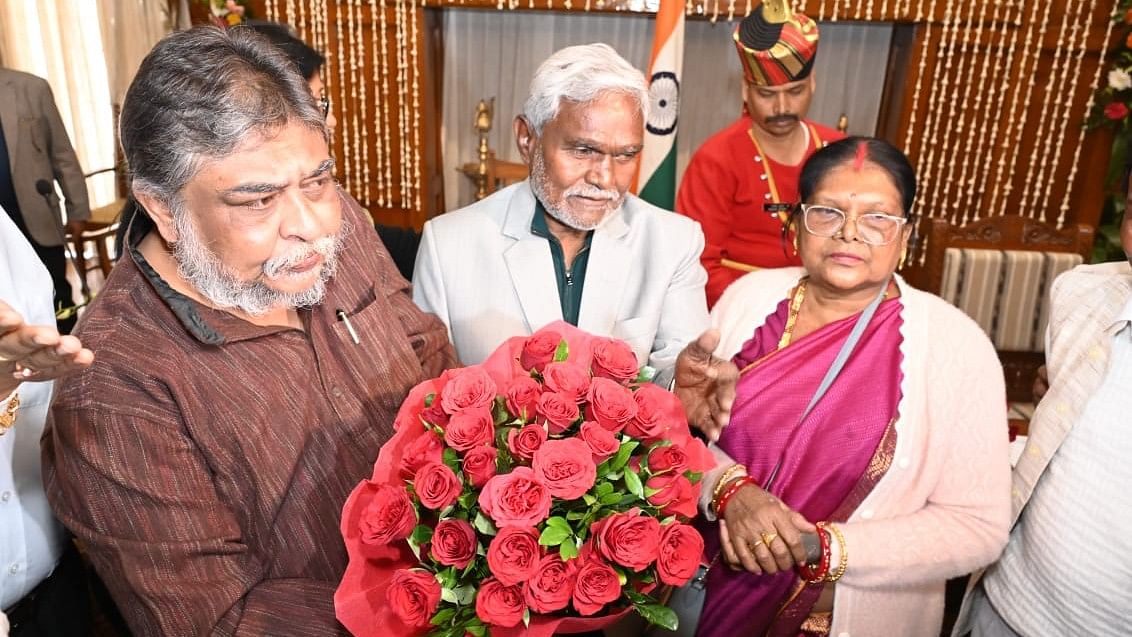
pixel 874 228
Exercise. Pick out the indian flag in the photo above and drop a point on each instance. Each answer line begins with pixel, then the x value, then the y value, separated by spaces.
pixel 656 177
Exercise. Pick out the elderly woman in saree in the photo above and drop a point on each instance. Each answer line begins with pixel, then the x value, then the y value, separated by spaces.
pixel 867 413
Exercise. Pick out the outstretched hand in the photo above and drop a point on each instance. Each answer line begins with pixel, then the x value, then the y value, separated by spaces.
pixel 706 385
pixel 35 352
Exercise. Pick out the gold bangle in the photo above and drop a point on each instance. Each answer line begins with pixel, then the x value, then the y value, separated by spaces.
pixel 727 476
pixel 844 561
pixel 8 416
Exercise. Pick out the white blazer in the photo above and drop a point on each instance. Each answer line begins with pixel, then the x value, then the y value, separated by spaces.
pixel 482 271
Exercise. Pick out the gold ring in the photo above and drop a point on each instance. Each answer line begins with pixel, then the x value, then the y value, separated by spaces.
pixel 751 546
pixel 769 537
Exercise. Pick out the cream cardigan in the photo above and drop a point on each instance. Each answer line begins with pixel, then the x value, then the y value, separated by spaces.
pixel 934 515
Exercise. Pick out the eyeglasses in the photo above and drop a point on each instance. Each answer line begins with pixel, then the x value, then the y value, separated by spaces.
pixel 324 102
pixel 874 228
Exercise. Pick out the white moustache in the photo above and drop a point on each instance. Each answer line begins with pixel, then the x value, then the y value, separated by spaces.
pixel 323 246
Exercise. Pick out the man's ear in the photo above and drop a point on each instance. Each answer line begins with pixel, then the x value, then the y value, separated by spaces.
pixel 160 213
pixel 525 138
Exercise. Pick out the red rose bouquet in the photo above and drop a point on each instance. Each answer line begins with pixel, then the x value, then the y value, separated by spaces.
pixel 546 490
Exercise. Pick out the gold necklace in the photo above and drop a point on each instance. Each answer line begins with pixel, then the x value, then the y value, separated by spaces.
pixel 792 317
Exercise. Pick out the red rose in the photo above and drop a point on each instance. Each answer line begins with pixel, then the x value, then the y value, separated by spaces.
pixel 596 586
pixel 522 397
pixel 629 539
pixel 435 415
pixel 413 596
pixel 539 350
pixel 526 441
pixel 479 465
pixel 675 495
pixel 472 387
pixel 513 554
pixel 552 585
pixel 515 499
pixel 567 379
pixel 611 405
pixel 453 543
pixel 650 422
pixel 668 458
pixel 469 428
pixel 388 517
pixel 603 443
pixel 428 447
pixel 614 360
pixel 566 467
pixel 1116 111
pixel 498 604
pixel 437 486
pixel 557 411
pixel 681 549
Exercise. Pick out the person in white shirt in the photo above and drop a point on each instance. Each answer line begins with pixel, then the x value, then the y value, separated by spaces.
pixel 42 591
pixel 1065 570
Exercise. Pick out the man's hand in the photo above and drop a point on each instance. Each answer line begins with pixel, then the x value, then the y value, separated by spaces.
pixel 1041 384
pixel 706 385
pixel 35 352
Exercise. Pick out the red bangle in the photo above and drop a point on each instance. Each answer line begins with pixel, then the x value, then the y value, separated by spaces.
pixel 811 574
pixel 731 490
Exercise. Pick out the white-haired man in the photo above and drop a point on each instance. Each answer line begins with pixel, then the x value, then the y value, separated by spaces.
pixel 569 243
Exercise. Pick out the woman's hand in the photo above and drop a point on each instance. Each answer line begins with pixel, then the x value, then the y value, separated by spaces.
pixel 761 534
pixel 35 352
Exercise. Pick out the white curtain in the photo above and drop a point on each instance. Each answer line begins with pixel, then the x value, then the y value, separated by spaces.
pixel 130 28
pixel 490 53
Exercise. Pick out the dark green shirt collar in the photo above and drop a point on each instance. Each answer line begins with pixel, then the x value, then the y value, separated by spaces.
pixel 570 282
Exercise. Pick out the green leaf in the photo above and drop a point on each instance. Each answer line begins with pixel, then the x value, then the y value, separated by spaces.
pixel 610 498
pixel 693 476
pixel 447 577
pixel 420 535
pixel 658 615
pixel 428 400
pixel 645 375
pixel 604 488
pixel 451 458
pixel 560 523
pixel 448 595
pixel 562 352
pixel 465 595
pixel 622 457
pixel 484 525
pixel 554 536
pixel 477 630
pixel 633 484
pixel 650 492
pixel 568 550
pixel 588 499
pixel 500 414
pixel 443 616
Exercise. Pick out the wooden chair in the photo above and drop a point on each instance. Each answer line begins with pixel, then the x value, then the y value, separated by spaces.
pixel 94 248
pixel 998 270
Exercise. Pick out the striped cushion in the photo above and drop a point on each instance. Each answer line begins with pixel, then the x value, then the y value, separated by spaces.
pixel 1005 292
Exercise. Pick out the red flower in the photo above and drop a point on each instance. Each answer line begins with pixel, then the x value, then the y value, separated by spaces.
pixel 472 387
pixel 681 549
pixel 413 595
pixel 453 543
pixel 498 604
pixel 526 441
pixel 552 585
pixel 650 422
pixel 1116 111
pixel 629 539
pixel 596 586
pixel 479 465
pixel 539 350
pixel 513 555
pixel 469 428
pixel 437 486
pixel 388 517
pixel 611 405
pixel 614 360
pixel 557 411
pixel 515 499
pixel 566 467
pixel 675 495
pixel 435 415
pixel 567 379
pixel 603 443
pixel 522 397
pixel 428 447
pixel 669 458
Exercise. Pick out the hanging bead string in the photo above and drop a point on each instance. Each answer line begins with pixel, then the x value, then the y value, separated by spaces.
pixel 1082 38
pixel 386 193
pixel 957 121
pixel 978 146
pixel 1024 92
pixel 997 110
pixel 416 156
pixel 272 10
pixel 1055 86
pixel 378 117
pixel 363 106
pixel 402 104
pixel 344 127
pixel 303 33
pixel 929 30
pixel 1064 208
pixel 730 10
pixel 353 36
pixel 931 124
pixel 868 11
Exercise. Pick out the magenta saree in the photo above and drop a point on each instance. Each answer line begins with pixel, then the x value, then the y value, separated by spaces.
pixel 829 462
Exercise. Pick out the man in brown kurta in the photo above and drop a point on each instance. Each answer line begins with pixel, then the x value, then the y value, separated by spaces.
pixel 204 458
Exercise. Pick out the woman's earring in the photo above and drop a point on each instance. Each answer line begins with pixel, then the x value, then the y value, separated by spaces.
pixel 903 258
pixel 795 243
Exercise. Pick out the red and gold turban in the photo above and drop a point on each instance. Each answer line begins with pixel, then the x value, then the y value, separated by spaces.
pixel 776 46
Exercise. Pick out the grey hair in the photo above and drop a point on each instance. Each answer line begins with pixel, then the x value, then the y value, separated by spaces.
pixel 581 74
pixel 200 93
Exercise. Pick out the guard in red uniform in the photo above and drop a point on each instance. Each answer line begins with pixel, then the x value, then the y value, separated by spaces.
pixel 742 183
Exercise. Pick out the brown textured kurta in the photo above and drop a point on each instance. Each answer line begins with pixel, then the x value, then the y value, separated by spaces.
pixel 204 461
